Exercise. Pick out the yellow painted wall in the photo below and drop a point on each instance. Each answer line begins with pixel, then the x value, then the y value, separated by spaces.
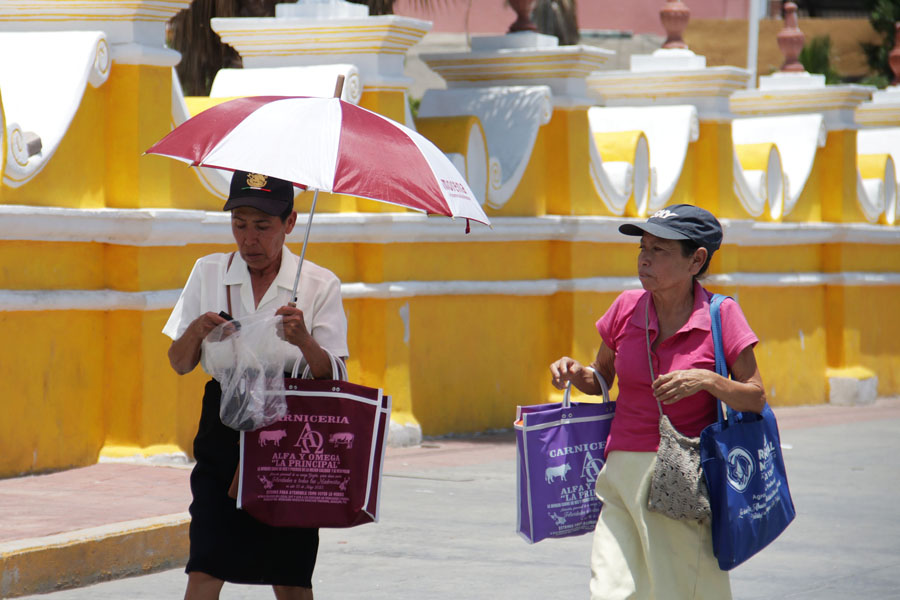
pixel 871 333
pixel 461 364
pixel 791 353
pixel 85 381
pixel 473 359
pixel 52 369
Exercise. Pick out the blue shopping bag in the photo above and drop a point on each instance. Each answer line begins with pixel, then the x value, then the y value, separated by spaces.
pixel 560 450
pixel 744 470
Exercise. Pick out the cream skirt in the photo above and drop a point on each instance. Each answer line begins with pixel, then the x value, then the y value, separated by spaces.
pixel 642 555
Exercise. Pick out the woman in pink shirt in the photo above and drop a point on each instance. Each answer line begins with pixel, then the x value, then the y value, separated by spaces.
pixel 638 553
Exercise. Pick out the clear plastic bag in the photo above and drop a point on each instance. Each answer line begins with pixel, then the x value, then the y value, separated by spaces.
pixel 246 357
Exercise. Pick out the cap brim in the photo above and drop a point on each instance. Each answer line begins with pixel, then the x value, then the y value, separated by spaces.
pixel 653 229
pixel 270 207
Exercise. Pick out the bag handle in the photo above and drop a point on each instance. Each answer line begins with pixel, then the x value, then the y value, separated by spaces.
pixel 715 314
pixel 567 402
pixel 338 368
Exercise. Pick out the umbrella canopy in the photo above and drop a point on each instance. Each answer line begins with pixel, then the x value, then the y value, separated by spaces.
pixel 325 144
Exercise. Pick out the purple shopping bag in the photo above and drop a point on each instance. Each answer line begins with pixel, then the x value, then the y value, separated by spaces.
pixel 319 465
pixel 560 450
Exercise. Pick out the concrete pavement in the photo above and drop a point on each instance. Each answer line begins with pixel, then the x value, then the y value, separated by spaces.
pixel 447 527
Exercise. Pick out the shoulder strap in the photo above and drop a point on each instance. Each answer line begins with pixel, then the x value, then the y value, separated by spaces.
pixel 715 318
pixel 649 356
pixel 715 315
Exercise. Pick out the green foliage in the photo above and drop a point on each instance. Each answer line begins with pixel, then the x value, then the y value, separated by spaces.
pixel 879 81
pixel 816 58
pixel 414 104
pixel 883 14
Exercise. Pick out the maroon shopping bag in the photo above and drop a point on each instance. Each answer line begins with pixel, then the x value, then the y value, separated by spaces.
pixel 320 465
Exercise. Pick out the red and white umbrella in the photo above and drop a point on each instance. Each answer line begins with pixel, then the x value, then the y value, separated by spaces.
pixel 324 144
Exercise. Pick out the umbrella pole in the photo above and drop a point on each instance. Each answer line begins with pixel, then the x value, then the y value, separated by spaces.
pixel 312 209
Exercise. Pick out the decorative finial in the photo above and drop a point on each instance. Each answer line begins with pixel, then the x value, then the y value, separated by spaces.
pixel 523 20
pixel 894 55
pixel 790 40
pixel 674 16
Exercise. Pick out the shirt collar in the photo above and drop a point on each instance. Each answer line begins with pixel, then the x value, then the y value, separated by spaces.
pixel 238 273
pixel 699 318
pixel 288 271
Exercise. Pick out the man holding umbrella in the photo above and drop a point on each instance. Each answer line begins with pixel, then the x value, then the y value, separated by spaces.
pixel 226 543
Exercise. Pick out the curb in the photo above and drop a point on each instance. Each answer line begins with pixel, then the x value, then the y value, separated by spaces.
pixel 79 558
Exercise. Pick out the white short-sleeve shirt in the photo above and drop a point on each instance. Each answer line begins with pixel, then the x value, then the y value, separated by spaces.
pixel 318 296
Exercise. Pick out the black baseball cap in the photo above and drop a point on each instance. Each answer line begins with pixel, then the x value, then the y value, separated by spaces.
pixel 681 222
pixel 271 195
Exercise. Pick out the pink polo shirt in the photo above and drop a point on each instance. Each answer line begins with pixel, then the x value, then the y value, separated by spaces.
pixel 636 424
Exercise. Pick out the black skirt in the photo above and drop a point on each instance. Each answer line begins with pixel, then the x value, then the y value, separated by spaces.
pixel 227 543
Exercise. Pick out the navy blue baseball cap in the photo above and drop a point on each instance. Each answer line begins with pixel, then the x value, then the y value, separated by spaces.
pixel 681 222
pixel 271 195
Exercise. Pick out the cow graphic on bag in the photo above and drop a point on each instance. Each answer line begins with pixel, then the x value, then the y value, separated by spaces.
pixel 560 471
pixel 272 436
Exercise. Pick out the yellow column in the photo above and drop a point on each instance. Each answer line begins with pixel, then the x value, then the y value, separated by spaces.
pixel 147 408
pixel 140 113
pixel 713 176
pixel 839 204
pixel 838 178
pixel 570 190
pixel 379 337
pixel 390 103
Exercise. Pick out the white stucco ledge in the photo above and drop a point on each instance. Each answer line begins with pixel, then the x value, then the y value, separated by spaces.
pixel 882 111
pixel 315 80
pixel 563 68
pixel 837 103
pixel 111 300
pixel 707 89
pixel 377 45
pixel 176 227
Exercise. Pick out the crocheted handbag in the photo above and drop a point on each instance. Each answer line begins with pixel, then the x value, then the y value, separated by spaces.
pixel 677 488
